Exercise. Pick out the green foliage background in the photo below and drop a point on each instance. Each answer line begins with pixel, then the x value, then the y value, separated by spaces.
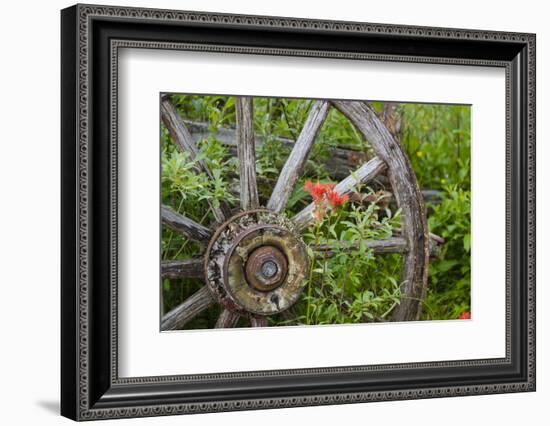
pixel 353 285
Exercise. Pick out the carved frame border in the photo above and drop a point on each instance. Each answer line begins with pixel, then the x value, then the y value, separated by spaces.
pixel 82 407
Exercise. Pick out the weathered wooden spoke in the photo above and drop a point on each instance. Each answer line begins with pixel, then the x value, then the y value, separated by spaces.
pixel 258 322
pixel 178 131
pixel 409 199
pixel 247 152
pixel 382 246
pixel 364 174
pixel 183 139
pixel 181 315
pixel 188 227
pixel 191 268
pixel 296 161
pixel 227 319
pixel 395 244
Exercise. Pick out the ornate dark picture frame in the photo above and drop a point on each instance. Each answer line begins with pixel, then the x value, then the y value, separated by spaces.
pixel 90 385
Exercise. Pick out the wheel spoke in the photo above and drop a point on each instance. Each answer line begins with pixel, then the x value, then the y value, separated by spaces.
pixel 184 225
pixel 409 199
pixel 227 319
pixel 296 161
pixel 178 131
pixel 194 305
pixel 183 139
pixel 191 268
pixel 258 322
pixel 247 152
pixel 386 245
pixel 364 174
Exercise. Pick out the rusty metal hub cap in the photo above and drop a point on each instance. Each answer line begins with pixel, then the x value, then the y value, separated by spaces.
pixel 256 263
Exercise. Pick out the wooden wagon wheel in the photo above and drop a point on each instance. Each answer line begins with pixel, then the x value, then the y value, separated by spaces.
pixel 255 262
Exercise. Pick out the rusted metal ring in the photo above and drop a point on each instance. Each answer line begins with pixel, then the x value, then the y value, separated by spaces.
pixel 220 229
pixel 256 263
pixel 266 268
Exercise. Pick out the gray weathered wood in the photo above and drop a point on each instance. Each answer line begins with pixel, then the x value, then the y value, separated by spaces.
pixel 227 319
pixel 194 305
pixel 183 139
pixel 364 174
pixel 191 229
pixel 190 268
pixel 246 149
pixel 386 245
pixel 258 322
pixel 178 131
pixel 338 162
pixel 409 199
pixel 294 166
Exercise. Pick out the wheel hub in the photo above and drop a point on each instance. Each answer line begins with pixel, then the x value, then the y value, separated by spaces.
pixel 266 268
pixel 256 263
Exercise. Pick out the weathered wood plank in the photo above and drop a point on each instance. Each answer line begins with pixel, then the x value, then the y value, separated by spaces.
pixel 258 322
pixel 183 139
pixel 227 319
pixel 182 314
pixel 190 268
pixel 409 199
pixel 294 166
pixel 364 174
pixel 339 162
pixel 386 245
pixel 246 150
pixel 184 225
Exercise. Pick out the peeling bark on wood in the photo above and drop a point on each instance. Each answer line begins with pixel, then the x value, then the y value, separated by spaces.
pixel 247 152
pixel 194 305
pixel 192 268
pixel 227 319
pixel 409 199
pixel 364 174
pixel 294 166
pixel 183 139
pixel 184 225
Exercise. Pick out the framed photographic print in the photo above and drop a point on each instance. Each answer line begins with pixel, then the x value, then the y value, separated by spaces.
pixel 263 212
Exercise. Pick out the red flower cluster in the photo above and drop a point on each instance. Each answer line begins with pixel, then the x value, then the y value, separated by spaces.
pixel 325 197
pixel 336 200
pixel 318 190
pixel 464 315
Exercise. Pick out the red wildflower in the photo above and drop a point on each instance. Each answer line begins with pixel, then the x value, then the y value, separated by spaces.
pixel 464 315
pixel 325 197
pixel 336 200
pixel 318 191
